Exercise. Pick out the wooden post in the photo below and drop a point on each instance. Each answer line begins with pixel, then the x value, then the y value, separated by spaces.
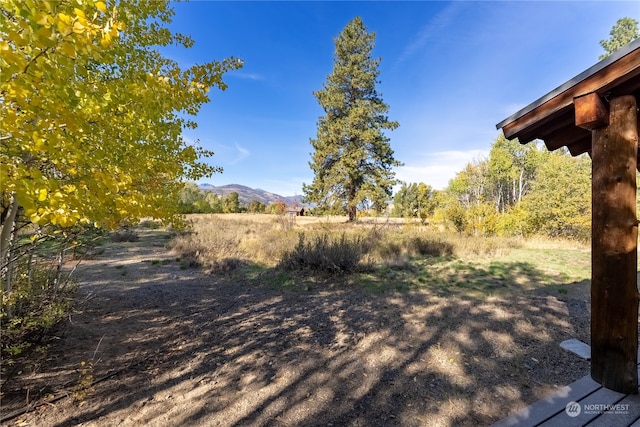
pixel 614 292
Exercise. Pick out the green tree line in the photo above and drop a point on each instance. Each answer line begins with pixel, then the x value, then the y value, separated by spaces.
pixel 517 190
pixel 194 200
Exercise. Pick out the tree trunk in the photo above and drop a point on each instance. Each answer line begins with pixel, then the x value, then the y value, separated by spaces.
pixel 352 213
pixel 521 185
pixel 6 240
pixel 59 264
pixel 614 294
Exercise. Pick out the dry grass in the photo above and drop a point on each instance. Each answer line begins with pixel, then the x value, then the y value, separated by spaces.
pixel 267 240
pixel 379 254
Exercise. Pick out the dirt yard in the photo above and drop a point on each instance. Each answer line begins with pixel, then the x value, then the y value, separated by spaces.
pixel 155 343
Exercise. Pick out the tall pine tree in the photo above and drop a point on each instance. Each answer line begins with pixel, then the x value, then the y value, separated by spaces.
pixel 353 161
pixel 623 32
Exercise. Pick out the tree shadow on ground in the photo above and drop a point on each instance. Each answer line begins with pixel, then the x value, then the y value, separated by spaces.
pixel 177 347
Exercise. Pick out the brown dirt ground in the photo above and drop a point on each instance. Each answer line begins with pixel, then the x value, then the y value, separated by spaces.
pixel 161 345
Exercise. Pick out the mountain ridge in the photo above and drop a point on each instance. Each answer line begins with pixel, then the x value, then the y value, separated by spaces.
pixel 247 194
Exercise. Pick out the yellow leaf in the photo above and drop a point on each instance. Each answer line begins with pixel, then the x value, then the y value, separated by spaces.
pixel 78 27
pixel 69 49
pixel 62 26
pixel 101 7
pixel 106 40
pixel 42 19
pixel 79 12
pixel 42 195
pixel 64 18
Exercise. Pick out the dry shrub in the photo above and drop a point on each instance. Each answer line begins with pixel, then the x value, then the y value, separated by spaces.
pixel 325 254
pixel 150 224
pixel 210 240
pixel 269 247
pixel 215 238
pixel 225 264
pixel 188 248
pixel 124 235
pixel 398 244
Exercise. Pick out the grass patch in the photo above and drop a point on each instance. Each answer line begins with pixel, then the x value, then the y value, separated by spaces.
pixel 562 264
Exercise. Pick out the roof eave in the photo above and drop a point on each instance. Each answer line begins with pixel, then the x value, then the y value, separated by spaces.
pixel 618 56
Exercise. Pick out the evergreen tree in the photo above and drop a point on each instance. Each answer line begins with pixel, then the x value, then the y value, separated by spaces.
pixel 623 32
pixel 352 160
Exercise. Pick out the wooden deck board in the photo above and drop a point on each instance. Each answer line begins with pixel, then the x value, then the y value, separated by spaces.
pixel 624 419
pixel 602 396
pixel 547 407
pixel 550 410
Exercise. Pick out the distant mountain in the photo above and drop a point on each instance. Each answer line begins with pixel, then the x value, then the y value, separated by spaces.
pixel 247 194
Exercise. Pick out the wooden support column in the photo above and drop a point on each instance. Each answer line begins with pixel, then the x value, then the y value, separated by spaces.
pixel 614 292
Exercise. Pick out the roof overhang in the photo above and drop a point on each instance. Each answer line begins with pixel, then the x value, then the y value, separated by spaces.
pixel 551 118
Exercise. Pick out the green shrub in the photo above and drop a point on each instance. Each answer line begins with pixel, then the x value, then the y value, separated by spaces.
pixel 30 311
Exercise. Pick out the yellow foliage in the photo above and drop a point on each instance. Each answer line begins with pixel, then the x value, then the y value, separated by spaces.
pixel 79 116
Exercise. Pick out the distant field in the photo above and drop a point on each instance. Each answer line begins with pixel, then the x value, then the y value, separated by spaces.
pixel 301 220
pixel 399 255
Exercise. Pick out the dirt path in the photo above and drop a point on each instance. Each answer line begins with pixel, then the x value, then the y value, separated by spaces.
pixel 165 345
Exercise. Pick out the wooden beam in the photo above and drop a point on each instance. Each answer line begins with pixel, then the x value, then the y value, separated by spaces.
pixel 580 147
pixel 591 111
pixel 614 293
pixel 565 136
pixel 614 75
pixel 550 126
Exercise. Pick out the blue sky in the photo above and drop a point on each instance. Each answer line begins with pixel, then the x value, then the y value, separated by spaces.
pixel 450 71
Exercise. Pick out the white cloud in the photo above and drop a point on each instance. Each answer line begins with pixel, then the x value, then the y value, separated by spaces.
pixel 243 153
pixel 246 76
pixel 431 29
pixel 436 169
